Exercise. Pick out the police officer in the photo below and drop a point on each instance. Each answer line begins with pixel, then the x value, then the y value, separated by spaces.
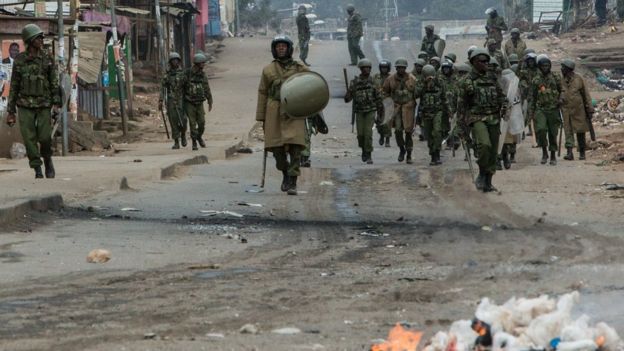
pixel 433 106
pixel 400 87
pixel 428 42
pixel 171 91
pixel 450 57
pixel 435 63
pixel 303 31
pixel 418 67
pixel 448 79
pixel 367 103
pixel 495 26
pixel 528 71
pixel 544 102
pixel 284 137
pixel 577 109
pixel 196 91
pixel 515 45
pixel 497 54
pixel 355 31
pixel 34 90
pixel 480 102
pixel 384 129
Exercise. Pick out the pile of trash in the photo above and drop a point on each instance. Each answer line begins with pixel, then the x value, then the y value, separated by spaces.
pixel 542 323
pixel 610 112
pixel 612 79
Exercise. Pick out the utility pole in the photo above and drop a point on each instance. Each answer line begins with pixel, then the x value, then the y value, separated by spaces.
pixel 237 19
pixel 161 43
pixel 62 72
pixel 124 122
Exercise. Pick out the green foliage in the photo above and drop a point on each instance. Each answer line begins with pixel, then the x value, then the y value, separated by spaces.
pixel 257 14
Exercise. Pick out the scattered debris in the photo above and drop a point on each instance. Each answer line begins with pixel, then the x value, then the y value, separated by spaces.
pixel 374 234
pixel 248 329
pixel 18 151
pixel 326 182
pixel 205 266
pixel 254 190
pixel 98 256
pixel 610 113
pixel 286 331
pixel 137 160
pixel 612 186
pixel 149 336
pixel 245 150
pixel 486 228
pixel 130 209
pixel 249 204
pixel 215 335
pixel 214 213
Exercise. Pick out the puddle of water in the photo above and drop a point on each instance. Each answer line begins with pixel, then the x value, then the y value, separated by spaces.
pixel 226 272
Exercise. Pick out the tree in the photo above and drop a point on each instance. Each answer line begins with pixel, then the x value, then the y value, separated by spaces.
pixel 256 14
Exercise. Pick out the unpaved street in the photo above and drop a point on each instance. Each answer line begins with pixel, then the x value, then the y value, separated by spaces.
pixel 361 248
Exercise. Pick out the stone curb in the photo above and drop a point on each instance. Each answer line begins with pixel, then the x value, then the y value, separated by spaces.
pixel 14 210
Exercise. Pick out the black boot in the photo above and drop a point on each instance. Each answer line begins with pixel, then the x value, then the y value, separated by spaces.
pixel 369 158
pixel 480 181
pixel 194 144
pixel 201 142
pixel 512 157
pixel 433 159
pixel 381 139
pixel 581 145
pixel 553 158
pixel 544 155
pixel 401 154
pixel 38 173
pixel 438 159
pixel 499 163
pixel 176 144
pixel 285 181
pixel 506 161
pixel 488 184
pixel 387 141
pixel 408 160
pixel 49 168
pixel 569 155
pixel 292 186
pixel 183 141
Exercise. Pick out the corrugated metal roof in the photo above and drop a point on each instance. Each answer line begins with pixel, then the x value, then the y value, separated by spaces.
pixel 132 10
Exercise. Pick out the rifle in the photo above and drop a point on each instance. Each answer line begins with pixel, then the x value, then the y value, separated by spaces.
pixel 162 113
pixel 560 131
pixel 264 161
pixel 592 133
pixel 469 157
pixel 346 78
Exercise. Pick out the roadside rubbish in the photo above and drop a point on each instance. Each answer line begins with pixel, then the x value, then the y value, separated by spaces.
pixel 249 204
pixel 214 213
pixel 130 209
pixel 248 329
pixel 286 331
pixel 326 182
pixel 18 151
pixel 98 256
pixel 612 186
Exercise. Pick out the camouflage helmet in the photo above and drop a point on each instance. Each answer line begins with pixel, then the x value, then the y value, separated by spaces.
pixel 420 62
pixel 568 63
pixel 436 59
pixel 490 41
pixel 462 68
pixel 515 31
pixel 429 71
pixel 490 11
pixel 199 58
pixel 281 39
pixel 385 63
pixel 477 52
pixel 423 54
pixel 400 62
pixel 365 63
pixel 350 8
pixel 528 51
pixel 30 31
pixel 471 49
pixel 451 57
pixel 543 59
pixel 173 56
pixel 513 58
pixel 494 61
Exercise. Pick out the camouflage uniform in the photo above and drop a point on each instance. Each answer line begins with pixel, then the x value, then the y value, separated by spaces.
pixel 515 48
pixel 450 87
pixel 544 93
pixel 384 130
pixel 427 46
pixel 355 31
pixel 367 101
pixel 495 27
pixel 303 30
pixel 34 90
pixel 433 107
pixel 502 60
pixel 196 90
pixel 526 76
pixel 172 89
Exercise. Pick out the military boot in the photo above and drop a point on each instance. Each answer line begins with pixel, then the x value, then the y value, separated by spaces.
pixel 183 139
pixel 176 144
pixel 506 160
pixel 569 155
pixel 285 181
pixel 480 181
pixel 387 141
pixel 499 163
pixel 408 160
pixel 38 172
pixel 369 158
pixel 292 186
pixel 544 155
pixel 49 168
pixel 401 154
pixel 194 144
pixel 553 158
pixel 438 159
pixel 201 142
pixel 582 145
pixel 488 187
pixel 512 157
pixel 381 140
pixel 433 159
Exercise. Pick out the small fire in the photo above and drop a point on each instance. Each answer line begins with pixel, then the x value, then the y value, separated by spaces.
pixel 399 339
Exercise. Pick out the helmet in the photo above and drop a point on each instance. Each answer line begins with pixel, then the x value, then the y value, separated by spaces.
pixel 477 52
pixel 568 64
pixel 350 8
pixel 462 67
pixel 543 59
pixel 304 94
pixel 199 58
pixel 302 7
pixel 513 58
pixel 490 41
pixel 400 62
pixel 435 58
pixel 429 27
pixel 531 56
pixel 364 63
pixel 420 62
pixel 429 71
pixel 490 11
pixel 173 56
pixel 451 57
pixel 423 54
pixel 471 49
pixel 528 51
pixel 385 63
pixel 515 31
pixel 282 39
pixel 30 31
pixel 494 61
pixel 447 64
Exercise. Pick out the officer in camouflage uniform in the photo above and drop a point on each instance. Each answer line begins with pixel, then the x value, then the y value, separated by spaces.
pixel 34 90
pixel 303 31
pixel 480 102
pixel 283 136
pixel 171 92
pixel 367 102
pixel 435 62
pixel 433 106
pixel 428 41
pixel 544 103
pixel 450 57
pixel 400 87
pixel 515 45
pixel 417 73
pixel 498 55
pixel 355 31
pixel 196 90
pixel 448 79
pixel 384 130
pixel 495 26
pixel 528 71
pixel 418 67
pixel 513 60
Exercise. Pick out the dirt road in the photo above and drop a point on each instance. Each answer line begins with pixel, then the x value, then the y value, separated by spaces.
pixel 361 248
